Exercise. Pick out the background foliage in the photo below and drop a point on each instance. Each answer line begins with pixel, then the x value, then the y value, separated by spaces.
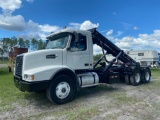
pixel 9 43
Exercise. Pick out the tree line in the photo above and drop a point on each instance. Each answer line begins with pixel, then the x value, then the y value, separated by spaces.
pixel 9 43
pixel 97 57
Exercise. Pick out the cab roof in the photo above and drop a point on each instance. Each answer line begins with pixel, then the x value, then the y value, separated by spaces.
pixel 66 30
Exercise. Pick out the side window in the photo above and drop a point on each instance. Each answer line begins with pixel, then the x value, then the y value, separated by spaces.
pixel 81 45
pixel 140 54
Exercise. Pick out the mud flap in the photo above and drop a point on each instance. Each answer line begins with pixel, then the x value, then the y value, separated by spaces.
pixel 113 77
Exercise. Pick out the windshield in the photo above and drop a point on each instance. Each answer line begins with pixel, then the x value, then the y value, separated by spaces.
pixel 58 41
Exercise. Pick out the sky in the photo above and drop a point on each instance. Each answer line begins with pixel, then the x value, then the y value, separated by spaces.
pixel 129 24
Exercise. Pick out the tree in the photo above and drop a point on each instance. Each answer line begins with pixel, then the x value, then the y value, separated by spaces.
pixel 6 45
pixel 34 44
pixel 41 44
pixel 21 43
pixel 13 43
pixel 97 57
pixel 27 43
pixel 1 52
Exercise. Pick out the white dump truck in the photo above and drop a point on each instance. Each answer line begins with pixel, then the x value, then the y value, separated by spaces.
pixel 66 66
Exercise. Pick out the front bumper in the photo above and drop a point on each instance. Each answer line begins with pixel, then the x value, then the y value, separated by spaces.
pixel 31 86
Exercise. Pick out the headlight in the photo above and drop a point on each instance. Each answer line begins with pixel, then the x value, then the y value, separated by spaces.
pixel 28 77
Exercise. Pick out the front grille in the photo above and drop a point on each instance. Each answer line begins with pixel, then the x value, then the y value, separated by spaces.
pixel 18 65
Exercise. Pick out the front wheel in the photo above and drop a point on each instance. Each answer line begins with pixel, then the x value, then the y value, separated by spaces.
pixel 62 90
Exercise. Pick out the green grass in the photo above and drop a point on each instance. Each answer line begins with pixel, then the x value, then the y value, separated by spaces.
pixel 82 113
pixel 155 73
pixel 10 95
pixel 4 61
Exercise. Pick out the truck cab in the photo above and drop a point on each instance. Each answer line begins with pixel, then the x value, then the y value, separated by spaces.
pixel 77 48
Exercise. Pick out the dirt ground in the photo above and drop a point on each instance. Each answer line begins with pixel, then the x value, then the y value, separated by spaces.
pixel 105 102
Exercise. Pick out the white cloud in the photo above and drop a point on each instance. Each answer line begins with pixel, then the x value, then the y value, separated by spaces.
pixel 32 26
pixel 75 25
pixel 109 35
pixel 97 49
pixel 110 32
pixel 125 43
pixel 119 33
pixel 143 41
pixel 135 28
pixel 14 23
pixel 7 20
pixel 43 35
pixel 83 26
pixel 10 5
pixel 37 31
pixel 48 28
pixel 88 25
pixel 30 1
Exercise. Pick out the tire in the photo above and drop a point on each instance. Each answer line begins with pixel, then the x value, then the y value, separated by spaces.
pixel 135 78
pixel 127 79
pixel 146 76
pixel 62 90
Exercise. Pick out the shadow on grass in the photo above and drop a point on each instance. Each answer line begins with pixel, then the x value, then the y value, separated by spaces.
pixel 99 90
pixel 40 100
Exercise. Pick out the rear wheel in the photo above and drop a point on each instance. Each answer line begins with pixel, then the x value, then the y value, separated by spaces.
pixel 62 90
pixel 146 76
pixel 127 80
pixel 135 78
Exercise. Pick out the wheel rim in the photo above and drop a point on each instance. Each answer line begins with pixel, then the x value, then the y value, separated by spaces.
pixel 147 76
pixel 62 90
pixel 137 77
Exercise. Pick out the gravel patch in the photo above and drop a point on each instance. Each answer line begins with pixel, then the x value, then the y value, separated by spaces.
pixel 118 101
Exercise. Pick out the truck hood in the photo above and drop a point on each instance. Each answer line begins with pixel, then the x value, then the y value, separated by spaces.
pixel 42 58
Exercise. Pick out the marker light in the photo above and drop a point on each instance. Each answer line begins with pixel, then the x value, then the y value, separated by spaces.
pixel 28 77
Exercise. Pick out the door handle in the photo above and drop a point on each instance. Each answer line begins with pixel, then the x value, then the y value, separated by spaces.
pixel 53 56
pixel 86 64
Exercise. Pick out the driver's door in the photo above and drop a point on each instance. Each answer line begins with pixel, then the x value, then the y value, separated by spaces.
pixel 78 54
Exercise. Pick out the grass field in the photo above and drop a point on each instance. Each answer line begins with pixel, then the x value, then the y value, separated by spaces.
pixel 100 103
pixel 4 61
pixel 9 93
